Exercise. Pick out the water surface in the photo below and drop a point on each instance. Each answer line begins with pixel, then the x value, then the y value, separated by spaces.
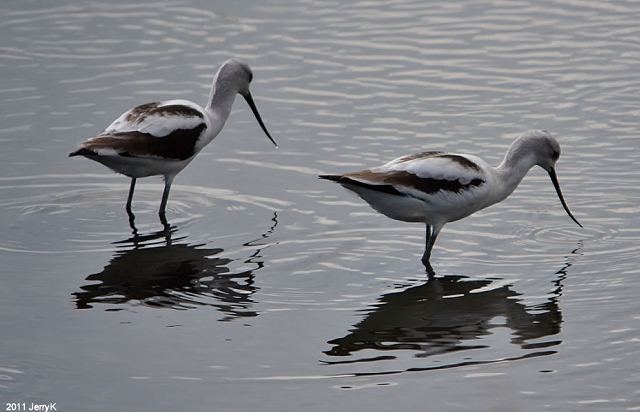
pixel 278 291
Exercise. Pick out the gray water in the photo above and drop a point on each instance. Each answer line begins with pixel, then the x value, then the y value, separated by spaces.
pixel 277 291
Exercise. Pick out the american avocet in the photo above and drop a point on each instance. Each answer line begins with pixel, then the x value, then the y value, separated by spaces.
pixel 436 188
pixel 161 138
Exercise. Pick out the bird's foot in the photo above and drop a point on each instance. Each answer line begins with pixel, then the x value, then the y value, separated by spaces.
pixel 163 220
pixel 428 268
pixel 132 221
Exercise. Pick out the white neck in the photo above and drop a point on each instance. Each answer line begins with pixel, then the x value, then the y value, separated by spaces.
pixel 221 98
pixel 511 171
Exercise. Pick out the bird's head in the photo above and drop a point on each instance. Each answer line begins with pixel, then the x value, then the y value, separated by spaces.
pixel 545 151
pixel 238 75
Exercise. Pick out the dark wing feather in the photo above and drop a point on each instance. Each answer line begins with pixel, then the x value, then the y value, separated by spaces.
pixel 178 145
pixel 390 181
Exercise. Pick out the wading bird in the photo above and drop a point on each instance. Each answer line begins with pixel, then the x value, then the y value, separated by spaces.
pixel 162 138
pixel 436 188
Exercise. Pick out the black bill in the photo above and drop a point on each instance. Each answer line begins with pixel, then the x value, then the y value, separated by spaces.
pixel 554 179
pixel 254 109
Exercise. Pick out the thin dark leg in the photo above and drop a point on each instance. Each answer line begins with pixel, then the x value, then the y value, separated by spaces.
pixel 132 217
pixel 165 196
pixel 435 231
pixel 130 198
pixel 132 223
pixel 427 248
pixel 431 236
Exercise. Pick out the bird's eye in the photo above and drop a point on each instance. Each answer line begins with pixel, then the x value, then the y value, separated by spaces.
pixel 555 155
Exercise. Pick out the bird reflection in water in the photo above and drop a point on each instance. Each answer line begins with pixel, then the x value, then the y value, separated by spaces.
pixel 449 314
pixel 163 271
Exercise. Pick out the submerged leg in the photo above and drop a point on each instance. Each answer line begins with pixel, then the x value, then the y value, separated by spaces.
pixel 132 217
pixel 427 251
pixel 427 248
pixel 165 196
pixel 130 198
pixel 431 236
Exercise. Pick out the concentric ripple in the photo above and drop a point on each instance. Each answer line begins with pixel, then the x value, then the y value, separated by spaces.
pixel 79 217
pixel 322 293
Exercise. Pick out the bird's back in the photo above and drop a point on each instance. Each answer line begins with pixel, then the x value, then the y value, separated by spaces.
pixel 439 186
pixel 167 130
pixel 159 119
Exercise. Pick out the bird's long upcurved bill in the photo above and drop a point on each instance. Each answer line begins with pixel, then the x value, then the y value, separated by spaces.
pixel 554 179
pixel 254 109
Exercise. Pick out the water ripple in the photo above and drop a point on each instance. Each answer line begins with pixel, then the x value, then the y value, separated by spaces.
pixel 94 206
pixel 342 86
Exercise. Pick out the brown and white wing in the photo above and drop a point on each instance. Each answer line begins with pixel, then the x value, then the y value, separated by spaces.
pixel 168 130
pixel 438 179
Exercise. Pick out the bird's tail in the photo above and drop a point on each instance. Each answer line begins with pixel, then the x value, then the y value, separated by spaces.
pixel 81 152
pixel 334 178
pixel 348 182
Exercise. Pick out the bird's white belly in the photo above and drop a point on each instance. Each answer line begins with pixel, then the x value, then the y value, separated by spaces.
pixel 443 208
pixel 403 208
pixel 142 167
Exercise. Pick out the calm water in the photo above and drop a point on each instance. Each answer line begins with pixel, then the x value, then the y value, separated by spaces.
pixel 277 291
